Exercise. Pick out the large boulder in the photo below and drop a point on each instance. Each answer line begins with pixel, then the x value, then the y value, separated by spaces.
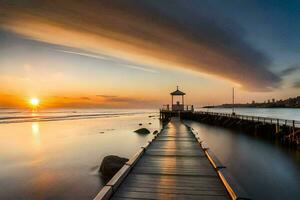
pixel 111 164
pixel 142 131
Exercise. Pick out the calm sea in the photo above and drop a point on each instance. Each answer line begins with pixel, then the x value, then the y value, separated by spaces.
pixel 55 154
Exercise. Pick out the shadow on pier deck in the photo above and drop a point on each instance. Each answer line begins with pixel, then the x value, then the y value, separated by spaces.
pixel 174 165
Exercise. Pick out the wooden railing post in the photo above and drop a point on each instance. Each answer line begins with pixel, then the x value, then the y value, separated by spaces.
pixel 293 125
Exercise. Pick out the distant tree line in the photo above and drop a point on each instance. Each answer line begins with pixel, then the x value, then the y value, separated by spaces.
pixel 287 103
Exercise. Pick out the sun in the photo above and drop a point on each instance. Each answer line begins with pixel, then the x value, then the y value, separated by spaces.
pixel 34 102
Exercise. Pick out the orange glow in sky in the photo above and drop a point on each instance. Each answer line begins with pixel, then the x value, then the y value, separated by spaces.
pixel 105 64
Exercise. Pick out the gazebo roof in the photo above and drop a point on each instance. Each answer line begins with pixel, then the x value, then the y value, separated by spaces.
pixel 177 93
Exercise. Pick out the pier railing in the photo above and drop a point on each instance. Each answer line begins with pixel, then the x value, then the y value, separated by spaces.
pixel 286 122
pixel 175 107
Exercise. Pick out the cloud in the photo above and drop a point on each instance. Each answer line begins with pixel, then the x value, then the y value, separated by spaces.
pixel 97 101
pixel 169 34
pixel 85 98
pixel 113 99
pixel 290 70
pixel 139 68
pixel 102 57
pixel 106 96
pixel 296 84
pixel 84 54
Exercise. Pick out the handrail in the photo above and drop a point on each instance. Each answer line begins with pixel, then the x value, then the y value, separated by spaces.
pixel 287 122
pixel 186 107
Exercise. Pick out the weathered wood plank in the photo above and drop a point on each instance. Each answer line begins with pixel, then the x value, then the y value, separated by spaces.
pixel 175 153
pixel 105 193
pixel 118 177
pixel 178 190
pixel 160 195
pixel 187 139
pixel 175 144
pixel 135 158
pixel 173 180
pixel 172 183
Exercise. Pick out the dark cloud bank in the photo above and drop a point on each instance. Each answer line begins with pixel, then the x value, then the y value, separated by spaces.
pixel 296 84
pixel 290 70
pixel 187 33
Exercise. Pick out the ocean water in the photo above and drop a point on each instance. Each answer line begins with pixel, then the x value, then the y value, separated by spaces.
pixel 55 154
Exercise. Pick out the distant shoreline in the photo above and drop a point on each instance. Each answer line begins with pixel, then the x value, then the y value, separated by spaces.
pixel 230 107
pixel 287 103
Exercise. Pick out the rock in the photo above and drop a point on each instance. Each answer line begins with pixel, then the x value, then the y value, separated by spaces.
pixel 140 124
pixel 142 131
pixel 111 164
pixel 155 132
pixel 149 123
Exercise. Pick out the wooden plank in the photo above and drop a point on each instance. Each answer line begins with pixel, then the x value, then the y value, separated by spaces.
pixel 234 189
pixel 175 145
pixel 164 161
pixel 178 186
pixel 168 152
pixel 174 183
pixel 173 180
pixel 118 177
pixel 105 193
pixel 160 195
pixel 213 159
pixel 187 139
pixel 174 190
pixel 146 145
pixel 135 158
pixel 175 136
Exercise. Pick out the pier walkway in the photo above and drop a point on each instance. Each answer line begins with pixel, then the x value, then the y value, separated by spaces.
pixel 173 166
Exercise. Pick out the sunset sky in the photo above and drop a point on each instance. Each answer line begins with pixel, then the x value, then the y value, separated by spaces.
pixel 132 54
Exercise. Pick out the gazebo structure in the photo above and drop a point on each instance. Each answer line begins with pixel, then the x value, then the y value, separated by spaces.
pixel 178 106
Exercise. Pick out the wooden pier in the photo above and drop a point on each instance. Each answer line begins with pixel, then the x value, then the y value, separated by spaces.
pixel 286 131
pixel 174 165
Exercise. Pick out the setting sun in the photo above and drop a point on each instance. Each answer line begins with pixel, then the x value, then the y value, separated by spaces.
pixel 34 102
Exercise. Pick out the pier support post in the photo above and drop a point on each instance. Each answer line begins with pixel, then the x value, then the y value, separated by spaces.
pixel 294 124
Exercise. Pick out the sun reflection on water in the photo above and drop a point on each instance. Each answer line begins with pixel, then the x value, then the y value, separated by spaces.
pixel 35 131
